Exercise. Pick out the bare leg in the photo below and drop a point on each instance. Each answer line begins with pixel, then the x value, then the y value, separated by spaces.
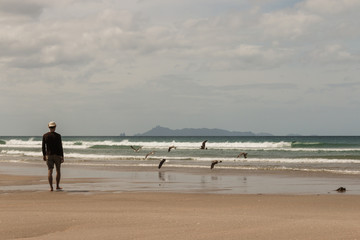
pixel 58 177
pixel 50 178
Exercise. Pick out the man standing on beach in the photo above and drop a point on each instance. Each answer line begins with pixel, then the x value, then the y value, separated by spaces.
pixel 53 154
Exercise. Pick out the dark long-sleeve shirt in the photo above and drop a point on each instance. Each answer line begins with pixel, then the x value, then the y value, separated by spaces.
pixel 52 144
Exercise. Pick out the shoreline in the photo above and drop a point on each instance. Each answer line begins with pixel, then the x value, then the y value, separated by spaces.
pixel 33 177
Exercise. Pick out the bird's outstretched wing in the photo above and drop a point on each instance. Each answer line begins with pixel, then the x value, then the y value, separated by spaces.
pixel 150 153
pixel 213 163
pixel 171 147
pixel 136 149
pixel 203 144
pixel 161 163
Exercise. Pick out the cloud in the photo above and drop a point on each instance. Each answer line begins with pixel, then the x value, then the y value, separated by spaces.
pixel 28 9
pixel 334 54
pixel 288 24
pixel 346 85
pixel 330 6
pixel 70 42
pixel 267 86
pixel 222 42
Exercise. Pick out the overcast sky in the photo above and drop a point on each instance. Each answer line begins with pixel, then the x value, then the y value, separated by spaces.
pixel 103 67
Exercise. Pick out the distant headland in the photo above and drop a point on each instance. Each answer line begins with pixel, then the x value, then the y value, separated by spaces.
pixel 163 131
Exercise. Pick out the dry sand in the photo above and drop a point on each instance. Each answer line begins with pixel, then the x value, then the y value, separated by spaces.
pixel 154 215
pixel 61 215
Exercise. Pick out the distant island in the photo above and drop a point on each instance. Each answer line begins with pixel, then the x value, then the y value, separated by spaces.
pixel 163 131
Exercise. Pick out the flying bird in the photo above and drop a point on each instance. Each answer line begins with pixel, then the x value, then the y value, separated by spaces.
pixel 213 163
pixel 242 154
pixel 203 145
pixel 161 163
pixel 136 149
pixel 150 153
pixel 171 147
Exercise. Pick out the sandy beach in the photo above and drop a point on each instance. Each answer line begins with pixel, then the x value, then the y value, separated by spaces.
pixel 100 207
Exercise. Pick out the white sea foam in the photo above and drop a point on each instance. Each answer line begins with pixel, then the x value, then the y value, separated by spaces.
pixel 18 143
pixel 31 143
pixel 246 145
pixel 21 153
pixel 210 145
pixel 104 157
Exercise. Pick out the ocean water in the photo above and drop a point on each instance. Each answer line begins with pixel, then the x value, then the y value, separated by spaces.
pixel 308 154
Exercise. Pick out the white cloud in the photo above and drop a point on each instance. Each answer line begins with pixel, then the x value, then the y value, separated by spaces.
pixel 334 53
pixel 288 24
pixel 330 6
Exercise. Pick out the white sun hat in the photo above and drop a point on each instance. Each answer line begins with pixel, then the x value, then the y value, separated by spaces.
pixel 52 124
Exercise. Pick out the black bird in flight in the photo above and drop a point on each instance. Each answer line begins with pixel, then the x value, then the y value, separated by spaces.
pixel 213 163
pixel 161 163
pixel 171 147
pixel 203 145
